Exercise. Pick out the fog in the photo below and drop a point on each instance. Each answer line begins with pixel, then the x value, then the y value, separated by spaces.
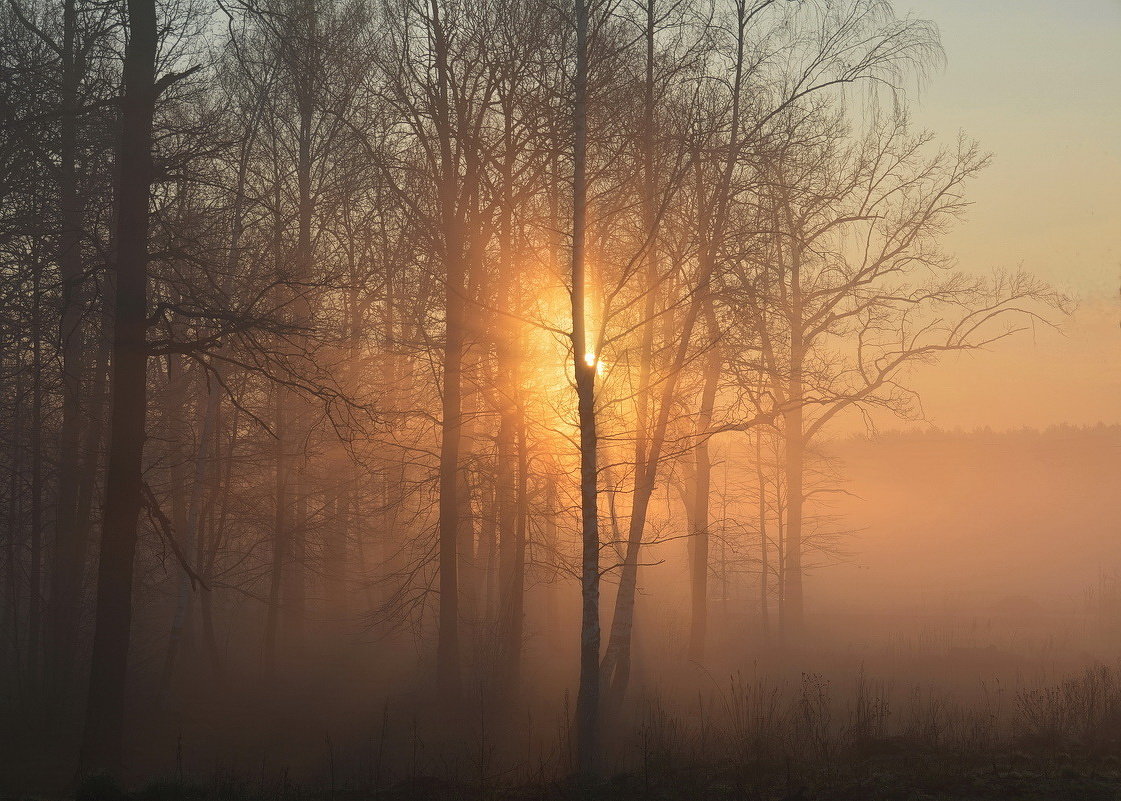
pixel 480 399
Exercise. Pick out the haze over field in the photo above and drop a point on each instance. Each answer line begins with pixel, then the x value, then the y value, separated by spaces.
pixel 1040 87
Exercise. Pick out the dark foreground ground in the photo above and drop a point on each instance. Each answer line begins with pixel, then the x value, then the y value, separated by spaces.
pixel 901 777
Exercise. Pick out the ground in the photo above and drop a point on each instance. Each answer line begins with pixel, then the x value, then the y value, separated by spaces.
pixel 899 778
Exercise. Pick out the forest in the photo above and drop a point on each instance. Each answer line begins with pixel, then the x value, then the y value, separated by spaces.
pixel 457 399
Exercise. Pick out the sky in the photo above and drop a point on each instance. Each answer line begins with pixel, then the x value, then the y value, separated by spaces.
pixel 1038 84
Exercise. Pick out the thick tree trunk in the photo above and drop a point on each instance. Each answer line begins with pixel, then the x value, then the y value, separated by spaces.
pixel 587 700
pixel 105 712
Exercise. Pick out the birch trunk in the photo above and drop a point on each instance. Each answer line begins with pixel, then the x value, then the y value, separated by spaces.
pixel 587 700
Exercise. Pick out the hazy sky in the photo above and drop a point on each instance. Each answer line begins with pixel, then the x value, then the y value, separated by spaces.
pixel 1038 83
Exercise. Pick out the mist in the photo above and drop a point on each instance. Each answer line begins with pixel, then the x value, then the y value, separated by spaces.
pixel 465 400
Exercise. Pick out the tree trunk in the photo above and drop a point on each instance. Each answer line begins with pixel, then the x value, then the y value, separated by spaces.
pixel 792 569
pixel 451 422
pixel 15 528
pixel 505 505
pixel 510 479
pixel 780 550
pixel 702 487
pixel 795 444
pixel 280 536
pixel 514 594
pixel 713 222
pixel 223 489
pixel 587 700
pixel 335 553
pixel 105 712
pixel 447 658
pixel 188 536
pixel 465 557
pixel 35 569
pixel 69 536
pixel 294 606
pixel 764 567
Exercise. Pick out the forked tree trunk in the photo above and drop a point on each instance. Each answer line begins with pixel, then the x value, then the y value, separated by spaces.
pixel 617 660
